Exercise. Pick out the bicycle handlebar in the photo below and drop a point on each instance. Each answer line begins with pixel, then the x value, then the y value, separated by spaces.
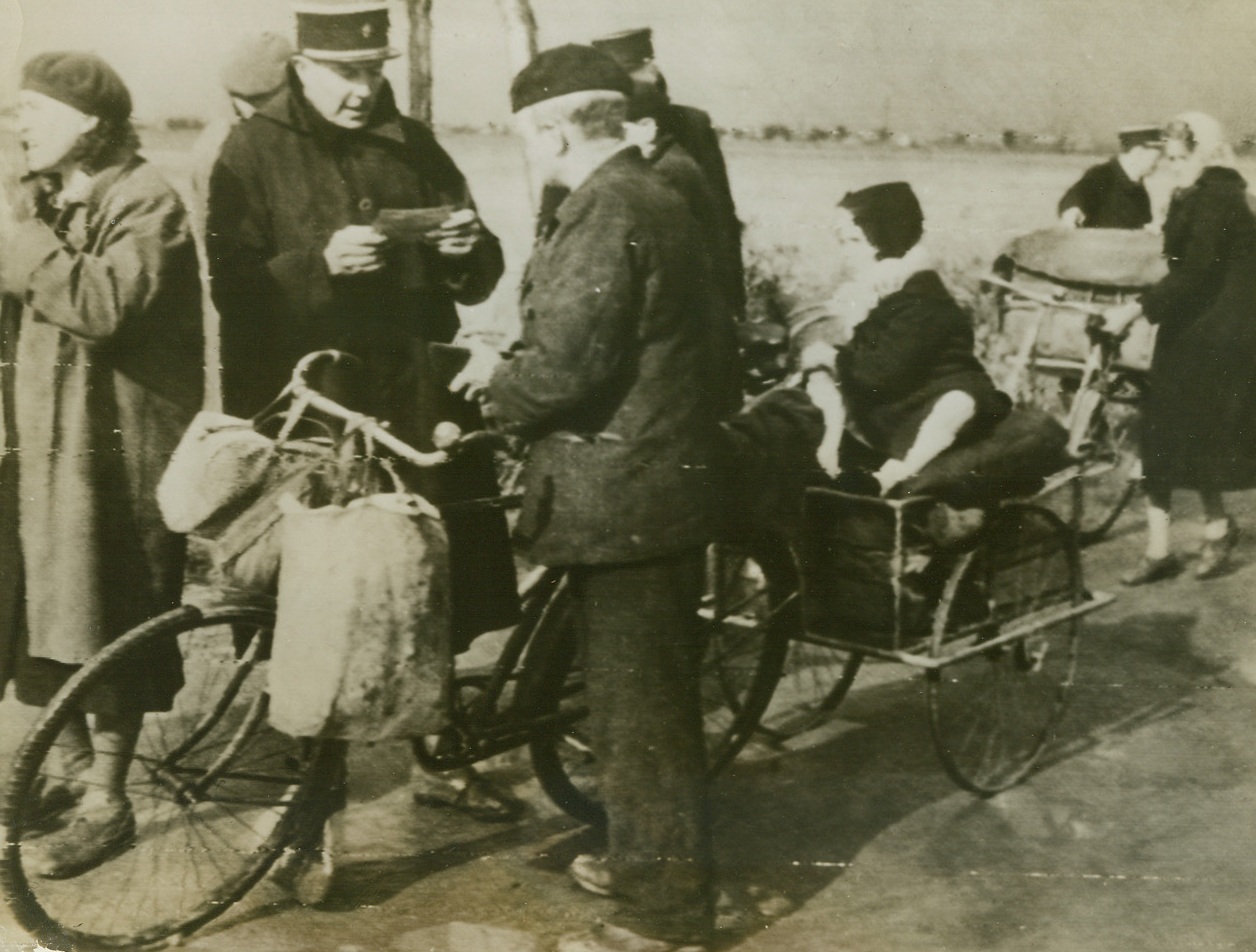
pixel 1049 301
pixel 369 426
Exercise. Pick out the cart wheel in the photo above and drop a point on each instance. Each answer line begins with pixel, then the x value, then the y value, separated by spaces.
pixel 217 794
pixel 993 713
pixel 814 679
pixel 1110 469
pixel 751 612
pixel 814 676
pixel 750 616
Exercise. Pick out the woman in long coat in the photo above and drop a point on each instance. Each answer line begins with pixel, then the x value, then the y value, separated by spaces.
pixel 1199 419
pixel 104 301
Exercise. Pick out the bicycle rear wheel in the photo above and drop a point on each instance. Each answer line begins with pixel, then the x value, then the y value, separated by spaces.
pixel 750 611
pixel 993 713
pixel 217 793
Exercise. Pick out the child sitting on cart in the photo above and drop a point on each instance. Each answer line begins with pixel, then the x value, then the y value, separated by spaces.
pixel 907 385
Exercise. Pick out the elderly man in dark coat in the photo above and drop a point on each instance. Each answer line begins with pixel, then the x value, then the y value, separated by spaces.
pixel 106 373
pixel 689 134
pixel 617 384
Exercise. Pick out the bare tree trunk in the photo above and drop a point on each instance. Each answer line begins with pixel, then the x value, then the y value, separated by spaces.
pixel 420 54
pixel 521 48
pixel 520 31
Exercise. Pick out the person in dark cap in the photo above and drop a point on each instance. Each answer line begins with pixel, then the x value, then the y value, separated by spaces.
pixel 907 385
pixel 1113 194
pixel 693 130
pixel 337 222
pixel 722 243
pixel 255 72
pixel 616 383
pixel 102 371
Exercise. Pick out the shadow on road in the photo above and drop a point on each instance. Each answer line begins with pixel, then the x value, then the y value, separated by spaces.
pixel 793 823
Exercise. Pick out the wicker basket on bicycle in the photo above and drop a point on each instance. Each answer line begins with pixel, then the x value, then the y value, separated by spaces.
pixel 1089 266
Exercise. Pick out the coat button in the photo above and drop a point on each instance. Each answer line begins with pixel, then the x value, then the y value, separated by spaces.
pixel 366 205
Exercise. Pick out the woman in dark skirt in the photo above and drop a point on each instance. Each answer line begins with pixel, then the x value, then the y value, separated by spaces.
pixel 1199 418
pixel 103 368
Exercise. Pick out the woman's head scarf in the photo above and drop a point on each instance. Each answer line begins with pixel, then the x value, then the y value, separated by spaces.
pixel 889 215
pixel 1203 135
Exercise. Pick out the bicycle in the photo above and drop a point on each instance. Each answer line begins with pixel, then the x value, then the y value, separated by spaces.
pixel 1049 288
pixel 1097 400
pixel 220 796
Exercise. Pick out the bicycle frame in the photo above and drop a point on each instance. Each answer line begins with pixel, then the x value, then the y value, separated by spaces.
pixel 537 661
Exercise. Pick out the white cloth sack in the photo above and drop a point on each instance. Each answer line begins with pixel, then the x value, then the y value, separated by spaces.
pixel 220 460
pixel 362 646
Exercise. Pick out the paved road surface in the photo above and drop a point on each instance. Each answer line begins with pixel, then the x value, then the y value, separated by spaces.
pixel 1136 837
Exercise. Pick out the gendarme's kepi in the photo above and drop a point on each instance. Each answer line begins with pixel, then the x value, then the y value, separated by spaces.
pixel 343 31
pixel 631 49
pixel 1144 135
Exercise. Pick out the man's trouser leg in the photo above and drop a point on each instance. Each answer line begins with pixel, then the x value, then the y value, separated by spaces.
pixel 643 653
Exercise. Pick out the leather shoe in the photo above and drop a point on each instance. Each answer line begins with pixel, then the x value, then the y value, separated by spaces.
pixel 591 874
pixel 471 794
pixel 1151 570
pixel 93 836
pixel 1214 557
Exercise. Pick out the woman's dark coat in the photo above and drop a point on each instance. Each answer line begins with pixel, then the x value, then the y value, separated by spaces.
pixel 1199 420
pixel 914 346
pixel 108 371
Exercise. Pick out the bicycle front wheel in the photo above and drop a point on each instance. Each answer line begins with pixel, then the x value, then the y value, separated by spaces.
pixel 216 792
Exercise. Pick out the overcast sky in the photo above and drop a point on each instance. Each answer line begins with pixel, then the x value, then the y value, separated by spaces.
pixel 921 66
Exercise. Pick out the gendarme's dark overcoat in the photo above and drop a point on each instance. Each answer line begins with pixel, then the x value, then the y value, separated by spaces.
pixel 723 238
pixel 108 373
pixel 285 181
pixel 619 377
pixel 1199 419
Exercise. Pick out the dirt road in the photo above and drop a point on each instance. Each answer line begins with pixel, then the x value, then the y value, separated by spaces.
pixel 1136 835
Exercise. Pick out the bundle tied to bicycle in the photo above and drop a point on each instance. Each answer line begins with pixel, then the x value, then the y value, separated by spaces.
pixel 313 517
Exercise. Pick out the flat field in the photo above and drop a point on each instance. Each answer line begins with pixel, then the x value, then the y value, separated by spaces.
pixel 974 201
